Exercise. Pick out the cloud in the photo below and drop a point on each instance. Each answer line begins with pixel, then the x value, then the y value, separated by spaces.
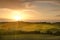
pixel 57 15
pixel 15 4
pixel 21 4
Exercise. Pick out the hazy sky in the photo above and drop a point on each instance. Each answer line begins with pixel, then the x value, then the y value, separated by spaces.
pixel 32 10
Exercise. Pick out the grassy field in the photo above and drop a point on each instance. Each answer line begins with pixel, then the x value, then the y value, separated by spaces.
pixel 41 27
pixel 30 37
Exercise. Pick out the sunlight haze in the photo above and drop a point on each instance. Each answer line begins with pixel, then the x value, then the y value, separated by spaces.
pixel 30 11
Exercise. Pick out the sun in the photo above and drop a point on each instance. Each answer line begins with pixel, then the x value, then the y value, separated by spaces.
pixel 16 15
pixel 17 18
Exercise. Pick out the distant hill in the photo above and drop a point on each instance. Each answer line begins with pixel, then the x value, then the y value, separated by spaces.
pixel 5 20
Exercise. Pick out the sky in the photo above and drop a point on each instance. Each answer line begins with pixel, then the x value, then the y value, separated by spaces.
pixel 30 10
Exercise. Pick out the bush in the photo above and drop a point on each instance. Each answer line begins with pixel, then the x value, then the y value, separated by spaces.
pixel 53 31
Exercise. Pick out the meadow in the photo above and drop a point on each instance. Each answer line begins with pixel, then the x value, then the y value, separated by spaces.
pixel 30 37
pixel 29 31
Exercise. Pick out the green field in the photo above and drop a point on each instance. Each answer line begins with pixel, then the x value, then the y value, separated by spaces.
pixel 46 31
pixel 30 37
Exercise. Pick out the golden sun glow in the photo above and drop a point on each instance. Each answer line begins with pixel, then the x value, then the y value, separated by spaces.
pixel 17 18
pixel 21 15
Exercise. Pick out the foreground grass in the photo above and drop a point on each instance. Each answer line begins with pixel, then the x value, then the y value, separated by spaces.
pixel 30 37
pixel 42 27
